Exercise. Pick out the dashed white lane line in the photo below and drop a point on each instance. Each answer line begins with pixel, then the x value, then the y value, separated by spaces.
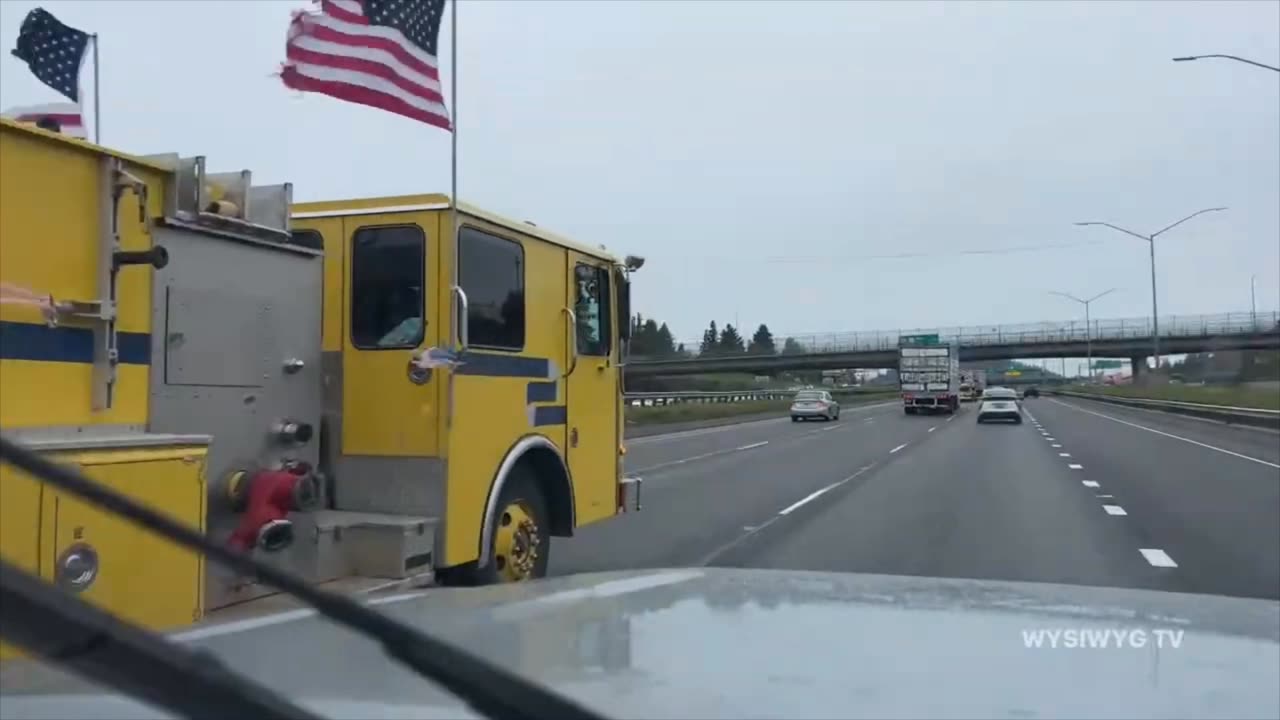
pixel 781 514
pixel 898 448
pixel 1104 497
pixel 703 456
pixel 1050 439
pixel 1207 446
pixel 1114 510
pixel 935 427
pixel 829 429
pixel 807 499
pixel 1089 483
pixel 1158 557
pixel 1064 454
pixel 869 420
pixel 953 417
pixel 1057 445
pixel 1075 466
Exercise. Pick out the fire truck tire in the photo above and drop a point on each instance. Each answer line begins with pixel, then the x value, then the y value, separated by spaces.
pixel 520 544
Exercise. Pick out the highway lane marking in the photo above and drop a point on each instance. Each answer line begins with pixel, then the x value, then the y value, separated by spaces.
pixel 953 417
pixel 1089 483
pixel 1075 466
pixel 1057 445
pixel 1114 510
pixel 1207 446
pixel 935 427
pixel 1100 497
pixel 807 499
pixel 1063 454
pixel 898 448
pixel 869 420
pixel 829 429
pixel 1051 439
pixel 711 557
pixel 703 456
pixel 1158 557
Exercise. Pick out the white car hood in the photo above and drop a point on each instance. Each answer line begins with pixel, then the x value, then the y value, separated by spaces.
pixel 753 643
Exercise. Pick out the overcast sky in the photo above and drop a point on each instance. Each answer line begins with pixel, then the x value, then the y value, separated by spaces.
pixel 760 155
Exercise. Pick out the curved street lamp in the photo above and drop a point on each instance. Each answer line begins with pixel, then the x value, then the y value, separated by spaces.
pixel 1088 329
pixel 1151 241
pixel 1189 58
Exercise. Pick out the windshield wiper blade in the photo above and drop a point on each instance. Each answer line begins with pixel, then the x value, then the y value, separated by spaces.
pixel 487 688
pixel 46 621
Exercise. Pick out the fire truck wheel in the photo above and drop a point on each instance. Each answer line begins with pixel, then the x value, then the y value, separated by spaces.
pixel 521 540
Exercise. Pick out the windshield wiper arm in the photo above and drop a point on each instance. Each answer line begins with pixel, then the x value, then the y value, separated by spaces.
pixel 489 689
pixel 53 624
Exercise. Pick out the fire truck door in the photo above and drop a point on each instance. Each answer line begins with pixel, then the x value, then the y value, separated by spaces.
pixel 388 314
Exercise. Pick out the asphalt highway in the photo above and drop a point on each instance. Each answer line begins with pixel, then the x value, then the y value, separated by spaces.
pixel 1081 492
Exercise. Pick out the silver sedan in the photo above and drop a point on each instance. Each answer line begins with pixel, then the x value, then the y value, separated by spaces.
pixel 814 404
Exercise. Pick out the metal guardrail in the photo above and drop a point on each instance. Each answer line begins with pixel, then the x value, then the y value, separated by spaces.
pixel 1255 417
pixel 651 399
pixel 1171 327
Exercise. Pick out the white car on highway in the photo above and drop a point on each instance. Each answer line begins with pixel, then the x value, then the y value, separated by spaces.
pixel 999 403
pixel 814 404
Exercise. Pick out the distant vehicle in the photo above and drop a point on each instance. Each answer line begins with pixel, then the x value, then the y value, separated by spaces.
pixel 928 375
pixel 1000 403
pixel 971 384
pixel 1032 391
pixel 814 404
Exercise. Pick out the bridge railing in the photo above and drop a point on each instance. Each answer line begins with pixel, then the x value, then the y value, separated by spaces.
pixel 1172 326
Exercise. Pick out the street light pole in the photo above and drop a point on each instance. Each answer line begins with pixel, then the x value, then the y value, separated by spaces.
pixel 1151 241
pixel 1088 322
pixel 1226 57
pixel 1253 301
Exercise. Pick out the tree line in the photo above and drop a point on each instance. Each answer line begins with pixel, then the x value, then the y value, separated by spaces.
pixel 649 338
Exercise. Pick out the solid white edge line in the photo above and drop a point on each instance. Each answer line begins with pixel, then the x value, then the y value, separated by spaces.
pixel 1171 435
pixel 1157 557
pixel 762 443
pixel 898 448
pixel 1114 510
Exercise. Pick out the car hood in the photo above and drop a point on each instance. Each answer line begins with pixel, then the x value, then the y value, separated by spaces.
pixel 754 643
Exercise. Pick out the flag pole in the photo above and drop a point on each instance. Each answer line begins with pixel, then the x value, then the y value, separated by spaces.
pixel 97 107
pixel 453 142
pixel 455 280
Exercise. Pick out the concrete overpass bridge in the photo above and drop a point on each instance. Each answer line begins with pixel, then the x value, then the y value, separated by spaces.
pixel 1128 338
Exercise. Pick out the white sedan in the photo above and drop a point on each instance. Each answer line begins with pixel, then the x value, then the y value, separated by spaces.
pixel 1000 404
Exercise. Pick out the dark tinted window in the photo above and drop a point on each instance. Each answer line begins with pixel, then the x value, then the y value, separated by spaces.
pixel 307 239
pixel 387 287
pixel 592 309
pixel 491 272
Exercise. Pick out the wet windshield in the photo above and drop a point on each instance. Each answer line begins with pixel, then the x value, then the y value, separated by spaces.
pixel 707 356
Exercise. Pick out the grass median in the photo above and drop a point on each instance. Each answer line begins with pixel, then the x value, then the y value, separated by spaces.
pixel 692 412
pixel 1230 395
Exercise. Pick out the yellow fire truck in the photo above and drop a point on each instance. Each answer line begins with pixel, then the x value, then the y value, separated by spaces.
pixel 356 388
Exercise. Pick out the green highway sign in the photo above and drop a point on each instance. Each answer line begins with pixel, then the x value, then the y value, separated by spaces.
pixel 931 339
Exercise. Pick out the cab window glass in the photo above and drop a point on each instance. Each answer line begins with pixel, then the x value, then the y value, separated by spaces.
pixel 491 272
pixel 592 309
pixel 388 287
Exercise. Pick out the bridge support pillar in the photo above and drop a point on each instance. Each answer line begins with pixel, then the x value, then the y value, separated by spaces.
pixel 1138 366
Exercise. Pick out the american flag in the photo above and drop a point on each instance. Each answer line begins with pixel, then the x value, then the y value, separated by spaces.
pixel 380 53
pixel 53 51
pixel 63 117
